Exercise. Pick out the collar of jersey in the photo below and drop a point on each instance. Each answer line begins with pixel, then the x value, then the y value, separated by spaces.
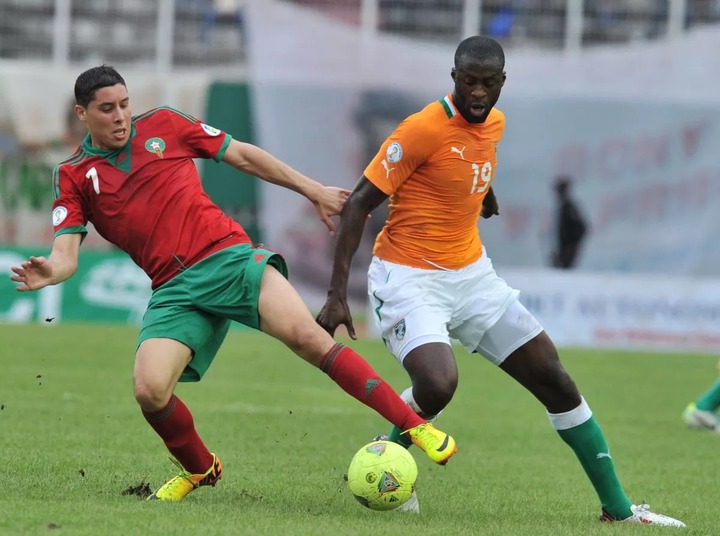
pixel 111 155
pixel 451 110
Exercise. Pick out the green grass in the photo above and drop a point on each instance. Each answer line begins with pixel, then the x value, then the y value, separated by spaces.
pixel 72 439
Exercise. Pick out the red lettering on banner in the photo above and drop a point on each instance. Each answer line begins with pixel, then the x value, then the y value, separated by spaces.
pixel 692 136
pixel 617 156
pixel 659 201
pixel 656 337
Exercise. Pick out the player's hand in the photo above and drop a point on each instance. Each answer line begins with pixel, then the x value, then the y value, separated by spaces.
pixel 33 274
pixel 334 313
pixel 330 202
pixel 490 205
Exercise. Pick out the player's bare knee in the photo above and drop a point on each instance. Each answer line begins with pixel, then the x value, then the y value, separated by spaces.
pixel 151 397
pixel 561 393
pixel 434 395
pixel 551 372
pixel 309 341
pixel 566 385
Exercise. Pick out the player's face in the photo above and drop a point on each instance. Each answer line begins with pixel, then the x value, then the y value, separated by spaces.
pixel 477 88
pixel 107 117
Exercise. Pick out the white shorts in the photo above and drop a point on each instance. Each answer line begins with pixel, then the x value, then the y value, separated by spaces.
pixel 473 305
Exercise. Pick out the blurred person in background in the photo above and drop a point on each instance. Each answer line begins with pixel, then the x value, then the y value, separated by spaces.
pixel 571 226
pixel 431 281
pixel 23 180
pixel 135 179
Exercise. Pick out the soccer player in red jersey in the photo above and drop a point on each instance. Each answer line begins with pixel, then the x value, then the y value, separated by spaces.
pixel 134 178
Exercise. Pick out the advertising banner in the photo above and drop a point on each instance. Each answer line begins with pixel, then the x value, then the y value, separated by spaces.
pixel 596 310
pixel 107 288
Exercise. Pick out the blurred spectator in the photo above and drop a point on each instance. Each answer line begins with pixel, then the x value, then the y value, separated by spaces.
pixel 25 173
pixel 571 227
pixel 501 23
pixel 216 11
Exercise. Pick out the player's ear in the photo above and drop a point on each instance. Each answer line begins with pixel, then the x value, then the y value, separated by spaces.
pixel 453 74
pixel 80 112
pixel 504 77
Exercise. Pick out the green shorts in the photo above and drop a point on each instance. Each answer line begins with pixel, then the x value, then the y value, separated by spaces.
pixel 197 306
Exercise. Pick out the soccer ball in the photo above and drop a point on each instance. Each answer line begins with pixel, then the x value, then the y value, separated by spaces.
pixel 382 475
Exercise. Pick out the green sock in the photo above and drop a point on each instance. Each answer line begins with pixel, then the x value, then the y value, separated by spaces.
pixel 710 399
pixel 590 447
pixel 396 436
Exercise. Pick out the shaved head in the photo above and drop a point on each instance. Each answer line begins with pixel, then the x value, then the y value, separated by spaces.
pixel 479 48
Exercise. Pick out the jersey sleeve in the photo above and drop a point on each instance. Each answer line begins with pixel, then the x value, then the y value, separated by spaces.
pixel 202 140
pixel 412 142
pixel 68 214
pixel 499 126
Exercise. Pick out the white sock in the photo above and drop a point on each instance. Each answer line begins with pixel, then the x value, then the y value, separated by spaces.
pixel 572 418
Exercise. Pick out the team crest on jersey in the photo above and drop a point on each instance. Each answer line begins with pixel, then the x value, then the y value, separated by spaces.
pixel 59 215
pixel 399 330
pixel 394 152
pixel 155 145
pixel 211 131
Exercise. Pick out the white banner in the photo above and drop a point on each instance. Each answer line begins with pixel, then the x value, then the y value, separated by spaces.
pixel 622 311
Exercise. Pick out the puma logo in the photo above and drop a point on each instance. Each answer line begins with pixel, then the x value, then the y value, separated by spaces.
pixel 604 455
pixel 454 149
pixel 388 169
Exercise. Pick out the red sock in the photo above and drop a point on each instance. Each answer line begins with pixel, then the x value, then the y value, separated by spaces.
pixel 175 425
pixel 357 378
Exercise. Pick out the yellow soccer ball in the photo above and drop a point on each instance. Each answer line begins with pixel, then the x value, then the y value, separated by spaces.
pixel 382 475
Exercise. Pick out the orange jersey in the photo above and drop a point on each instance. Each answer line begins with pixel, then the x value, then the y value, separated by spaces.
pixel 437 168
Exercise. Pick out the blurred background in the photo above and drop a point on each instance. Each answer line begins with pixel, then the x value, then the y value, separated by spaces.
pixel 608 179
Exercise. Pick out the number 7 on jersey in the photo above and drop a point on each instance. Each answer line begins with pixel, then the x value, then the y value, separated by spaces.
pixel 93 176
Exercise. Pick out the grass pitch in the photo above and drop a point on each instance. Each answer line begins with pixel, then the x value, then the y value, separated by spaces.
pixel 72 440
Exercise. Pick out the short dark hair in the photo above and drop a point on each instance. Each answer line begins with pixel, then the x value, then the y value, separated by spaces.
pixel 93 79
pixel 479 47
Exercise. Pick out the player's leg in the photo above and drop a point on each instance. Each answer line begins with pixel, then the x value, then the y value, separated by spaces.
pixel 285 316
pixel 518 345
pixel 433 377
pixel 535 365
pixel 413 328
pixel 702 414
pixel 176 342
pixel 158 365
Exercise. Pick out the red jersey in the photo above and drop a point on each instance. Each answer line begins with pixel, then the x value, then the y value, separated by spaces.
pixel 147 198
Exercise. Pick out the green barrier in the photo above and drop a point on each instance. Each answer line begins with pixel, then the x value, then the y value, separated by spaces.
pixel 229 108
pixel 107 288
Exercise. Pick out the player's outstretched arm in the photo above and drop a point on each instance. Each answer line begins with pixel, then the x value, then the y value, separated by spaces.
pixel 365 198
pixel 248 158
pixel 38 272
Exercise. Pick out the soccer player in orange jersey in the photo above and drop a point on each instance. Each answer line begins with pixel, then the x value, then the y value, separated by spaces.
pixel 135 179
pixel 431 280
